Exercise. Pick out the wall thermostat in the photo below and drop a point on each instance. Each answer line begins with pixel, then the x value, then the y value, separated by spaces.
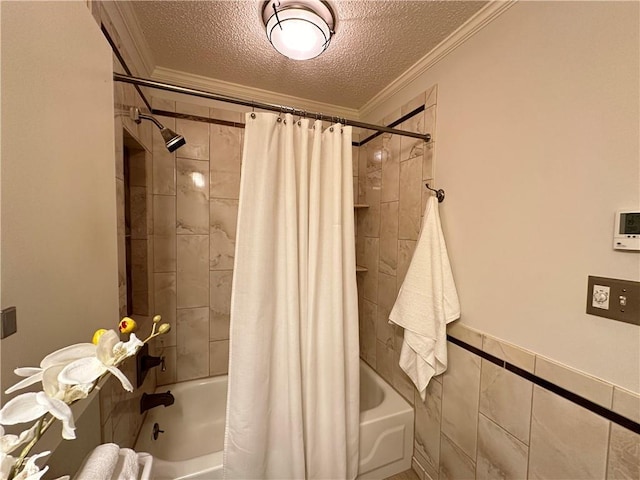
pixel 626 234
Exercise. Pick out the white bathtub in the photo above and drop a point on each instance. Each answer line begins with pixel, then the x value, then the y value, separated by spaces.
pixel 386 428
pixel 191 445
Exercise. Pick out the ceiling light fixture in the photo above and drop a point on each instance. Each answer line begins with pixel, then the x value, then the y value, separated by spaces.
pixel 299 29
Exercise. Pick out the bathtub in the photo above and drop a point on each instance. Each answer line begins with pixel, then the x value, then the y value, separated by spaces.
pixel 191 445
pixel 386 428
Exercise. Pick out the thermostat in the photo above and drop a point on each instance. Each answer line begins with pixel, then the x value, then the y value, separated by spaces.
pixel 626 235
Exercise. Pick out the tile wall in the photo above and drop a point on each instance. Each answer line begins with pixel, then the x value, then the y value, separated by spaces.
pixel 183 219
pixel 119 410
pixel 390 175
pixel 479 420
pixel 195 207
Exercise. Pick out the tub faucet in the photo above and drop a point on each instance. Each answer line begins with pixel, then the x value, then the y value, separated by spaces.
pixel 149 401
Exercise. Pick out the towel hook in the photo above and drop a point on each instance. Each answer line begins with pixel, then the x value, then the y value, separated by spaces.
pixel 439 193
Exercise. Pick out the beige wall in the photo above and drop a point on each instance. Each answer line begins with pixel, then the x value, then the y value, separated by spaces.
pixel 537 147
pixel 58 192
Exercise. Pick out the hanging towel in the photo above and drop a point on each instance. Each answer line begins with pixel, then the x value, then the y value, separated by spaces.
pixel 427 301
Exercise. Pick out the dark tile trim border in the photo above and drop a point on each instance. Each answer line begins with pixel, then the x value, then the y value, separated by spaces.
pixel 197 118
pixel 404 118
pixel 116 52
pixel 552 387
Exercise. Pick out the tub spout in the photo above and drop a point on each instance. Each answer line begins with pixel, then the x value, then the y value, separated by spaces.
pixel 149 401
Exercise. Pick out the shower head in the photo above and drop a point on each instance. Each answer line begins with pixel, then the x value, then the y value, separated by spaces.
pixel 172 140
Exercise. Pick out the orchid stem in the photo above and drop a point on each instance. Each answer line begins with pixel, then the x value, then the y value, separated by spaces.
pixel 153 335
pixel 41 428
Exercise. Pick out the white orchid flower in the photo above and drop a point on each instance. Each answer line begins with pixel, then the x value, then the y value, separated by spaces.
pixel 8 443
pixel 31 471
pixel 6 464
pixel 59 357
pixel 110 351
pixel 67 393
pixel 31 406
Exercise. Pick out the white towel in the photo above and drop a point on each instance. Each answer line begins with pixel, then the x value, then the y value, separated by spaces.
pixel 100 463
pixel 127 466
pixel 109 462
pixel 427 301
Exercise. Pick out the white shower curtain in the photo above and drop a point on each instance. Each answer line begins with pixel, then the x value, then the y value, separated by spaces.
pixel 293 401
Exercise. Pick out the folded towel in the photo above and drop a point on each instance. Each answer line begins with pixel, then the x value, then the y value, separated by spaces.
pixel 127 466
pixel 100 463
pixel 109 462
pixel 427 301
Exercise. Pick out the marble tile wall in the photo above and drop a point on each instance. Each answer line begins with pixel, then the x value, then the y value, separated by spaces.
pixel 482 421
pixel 195 208
pixel 182 238
pixel 120 419
pixel 390 172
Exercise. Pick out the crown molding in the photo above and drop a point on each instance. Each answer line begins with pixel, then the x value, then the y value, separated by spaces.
pixel 472 26
pixel 229 89
pixel 122 16
pixel 125 23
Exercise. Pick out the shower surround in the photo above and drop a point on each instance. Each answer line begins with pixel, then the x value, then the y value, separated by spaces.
pixel 195 205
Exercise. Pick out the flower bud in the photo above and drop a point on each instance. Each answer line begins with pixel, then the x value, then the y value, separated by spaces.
pixel 164 328
pixel 127 325
pixel 97 335
pixel 157 319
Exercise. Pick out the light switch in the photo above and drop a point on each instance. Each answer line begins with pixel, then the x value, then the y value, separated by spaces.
pixel 614 298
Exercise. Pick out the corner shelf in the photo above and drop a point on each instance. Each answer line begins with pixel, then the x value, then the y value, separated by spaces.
pixel 360 206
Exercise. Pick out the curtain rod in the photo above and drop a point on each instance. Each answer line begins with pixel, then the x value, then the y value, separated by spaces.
pixel 265 106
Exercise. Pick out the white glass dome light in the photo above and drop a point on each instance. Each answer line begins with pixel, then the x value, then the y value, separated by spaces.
pixel 298 30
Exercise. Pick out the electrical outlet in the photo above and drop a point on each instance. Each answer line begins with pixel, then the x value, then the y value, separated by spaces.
pixel 600 297
pixel 614 299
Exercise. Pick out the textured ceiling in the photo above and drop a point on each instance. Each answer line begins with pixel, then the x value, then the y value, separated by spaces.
pixel 375 42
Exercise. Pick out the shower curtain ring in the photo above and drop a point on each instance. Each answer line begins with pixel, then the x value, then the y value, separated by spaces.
pixel 279 119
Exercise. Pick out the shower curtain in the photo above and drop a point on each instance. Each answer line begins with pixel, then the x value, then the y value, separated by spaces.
pixel 293 399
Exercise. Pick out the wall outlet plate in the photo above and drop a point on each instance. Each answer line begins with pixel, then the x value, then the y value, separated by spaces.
pixel 8 322
pixel 613 298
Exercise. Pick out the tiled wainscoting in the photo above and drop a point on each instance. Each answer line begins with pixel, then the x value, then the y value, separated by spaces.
pixel 483 421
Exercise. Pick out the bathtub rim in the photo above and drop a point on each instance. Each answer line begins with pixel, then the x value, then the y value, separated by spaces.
pixel 392 404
